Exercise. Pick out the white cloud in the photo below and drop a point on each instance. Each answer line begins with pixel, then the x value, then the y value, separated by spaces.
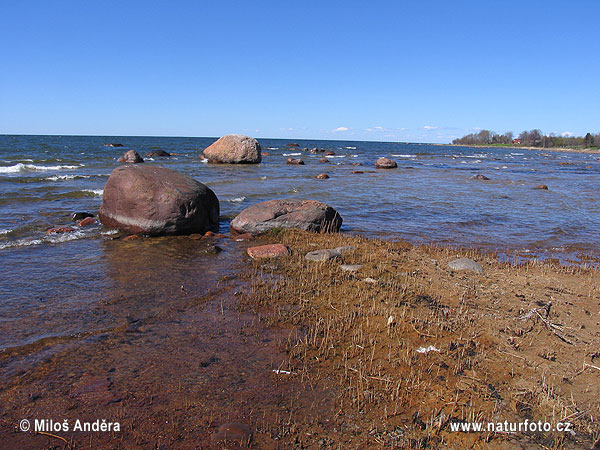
pixel 566 134
pixel 338 129
pixel 429 127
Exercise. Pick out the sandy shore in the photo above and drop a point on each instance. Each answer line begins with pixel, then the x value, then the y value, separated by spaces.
pixel 509 344
pixel 306 355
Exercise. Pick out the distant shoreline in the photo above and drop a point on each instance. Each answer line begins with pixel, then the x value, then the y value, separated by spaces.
pixel 540 149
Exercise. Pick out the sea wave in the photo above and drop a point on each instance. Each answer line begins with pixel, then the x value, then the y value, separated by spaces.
pixel 65 177
pixel 335 156
pixel 351 148
pixel 291 154
pixel 20 167
pixel 97 192
pixel 5 231
pixel 237 199
pixel 405 156
pixel 50 239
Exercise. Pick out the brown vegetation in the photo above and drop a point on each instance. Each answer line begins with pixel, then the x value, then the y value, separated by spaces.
pixel 515 343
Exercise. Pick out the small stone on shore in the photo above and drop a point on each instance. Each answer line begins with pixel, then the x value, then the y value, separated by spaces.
pixel 268 251
pixel 351 267
pixel 322 255
pixel 233 432
pixel 465 264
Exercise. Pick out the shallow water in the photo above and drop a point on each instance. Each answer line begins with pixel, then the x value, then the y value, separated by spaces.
pixel 431 197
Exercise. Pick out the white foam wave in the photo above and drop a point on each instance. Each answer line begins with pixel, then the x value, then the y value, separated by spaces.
pixel 204 160
pixel 65 177
pixel 335 156
pixel 6 231
pixel 291 154
pixel 50 239
pixel 272 148
pixel 109 232
pixel 20 167
pixel 517 154
pixel 237 199
pixel 97 192
pixel 351 148
pixel 405 156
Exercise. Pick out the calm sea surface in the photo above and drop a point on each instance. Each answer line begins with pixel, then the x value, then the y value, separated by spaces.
pixel 431 197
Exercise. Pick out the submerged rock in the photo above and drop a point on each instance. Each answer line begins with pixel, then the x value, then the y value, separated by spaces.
pixel 541 186
pixel 292 144
pixel 329 153
pixel 154 200
pixel 158 154
pixel 87 221
pixel 465 264
pixel 234 149
pixel 481 177
pixel 322 176
pixel 294 161
pixel 56 230
pixel 131 157
pixel 309 215
pixel 385 163
pixel 323 160
pixel 77 216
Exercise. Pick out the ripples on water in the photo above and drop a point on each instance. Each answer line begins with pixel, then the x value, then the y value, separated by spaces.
pixel 431 197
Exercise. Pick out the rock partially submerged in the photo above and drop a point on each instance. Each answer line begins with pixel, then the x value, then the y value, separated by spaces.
pixel 294 161
pixel 541 186
pixel 465 264
pixel 154 200
pixel 309 215
pixel 131 157
pixel 480 177
pixel 158 154
pixel 385 163
pixel 234 149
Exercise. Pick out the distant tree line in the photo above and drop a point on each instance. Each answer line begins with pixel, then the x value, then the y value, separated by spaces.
pixel 533 138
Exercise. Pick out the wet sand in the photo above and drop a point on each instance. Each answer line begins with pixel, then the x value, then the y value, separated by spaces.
pixel 304 355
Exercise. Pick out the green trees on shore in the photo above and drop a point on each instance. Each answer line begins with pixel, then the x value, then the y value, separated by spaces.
pixel 533 138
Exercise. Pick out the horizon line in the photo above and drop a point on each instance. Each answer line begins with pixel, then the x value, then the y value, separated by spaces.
pixel 217 137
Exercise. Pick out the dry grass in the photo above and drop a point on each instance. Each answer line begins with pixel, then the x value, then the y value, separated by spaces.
pixel 359 340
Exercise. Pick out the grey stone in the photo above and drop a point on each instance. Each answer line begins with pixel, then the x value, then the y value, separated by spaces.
pixel 465 264
pixel 351 267
pixel 322 255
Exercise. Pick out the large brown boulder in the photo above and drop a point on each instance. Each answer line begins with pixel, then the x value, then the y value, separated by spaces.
pixel 154 200
pixel 234 149
pixel 131 157
pixel 308 215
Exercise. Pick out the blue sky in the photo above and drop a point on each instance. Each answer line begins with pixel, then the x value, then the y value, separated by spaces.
pixel 419 71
